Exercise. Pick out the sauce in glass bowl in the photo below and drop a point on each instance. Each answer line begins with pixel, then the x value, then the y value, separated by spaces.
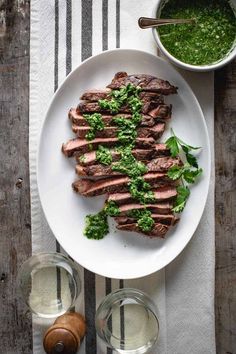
pixel 206 42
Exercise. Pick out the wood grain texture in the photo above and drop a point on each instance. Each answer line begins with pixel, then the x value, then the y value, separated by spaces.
pixel 15 238
pixel 225 198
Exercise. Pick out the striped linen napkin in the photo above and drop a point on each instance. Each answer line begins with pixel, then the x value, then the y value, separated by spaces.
pixel 64 33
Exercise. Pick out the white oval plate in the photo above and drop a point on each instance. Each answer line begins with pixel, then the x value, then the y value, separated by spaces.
pixel 120 254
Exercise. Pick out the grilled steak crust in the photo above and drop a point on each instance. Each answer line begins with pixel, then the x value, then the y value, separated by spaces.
pixel 95 95
pixel 91 107
pixel 90 188
pixel 147 121
pixel 111 132
pixel 162 111
pixel 158 230
pixel 89 158
pixel 83 146
pixel 166 219
pixel 146 82
pixel 158 208
pixel 160 164
pixel 160 194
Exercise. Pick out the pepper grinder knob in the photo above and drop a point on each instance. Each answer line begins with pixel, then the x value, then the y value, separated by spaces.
pixel 65 335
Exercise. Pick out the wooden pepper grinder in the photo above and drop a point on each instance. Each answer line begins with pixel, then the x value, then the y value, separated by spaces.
pixel 65 335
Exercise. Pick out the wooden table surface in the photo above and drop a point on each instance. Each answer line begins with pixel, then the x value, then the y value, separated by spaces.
pixel 15 227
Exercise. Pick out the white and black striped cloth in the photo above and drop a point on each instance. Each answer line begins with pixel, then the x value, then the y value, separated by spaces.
pixel 64 33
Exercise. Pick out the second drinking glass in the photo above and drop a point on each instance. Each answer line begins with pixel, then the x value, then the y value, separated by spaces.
pixel 126 321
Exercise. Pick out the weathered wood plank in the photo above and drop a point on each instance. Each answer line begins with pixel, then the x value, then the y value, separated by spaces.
pixel 225 155
pixel 15 238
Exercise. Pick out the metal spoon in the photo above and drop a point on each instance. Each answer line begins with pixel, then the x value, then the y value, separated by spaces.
pixel 146 22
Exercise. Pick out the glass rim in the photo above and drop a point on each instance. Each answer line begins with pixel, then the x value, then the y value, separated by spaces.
pixel 45 259
pixel 124 293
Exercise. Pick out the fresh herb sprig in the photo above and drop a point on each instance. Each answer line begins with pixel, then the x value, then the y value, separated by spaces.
pixel 181 199
pixel 189 172
pixel 175 144
pixel 189 175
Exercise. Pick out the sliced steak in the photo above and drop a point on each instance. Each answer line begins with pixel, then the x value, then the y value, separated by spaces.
pixel 95 95
pixel 90 188
pixel 146 82
pixel 166 219
pixel 159 208
pixel 161 194
pixel 89 158
pixel 91 107
pixel 83 146
pixel 160 164
pixel 163 111
pixel 111 132
pixel 158 230
pixel 147 121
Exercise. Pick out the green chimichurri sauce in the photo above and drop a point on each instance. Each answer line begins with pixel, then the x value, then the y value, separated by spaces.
pixel 206 42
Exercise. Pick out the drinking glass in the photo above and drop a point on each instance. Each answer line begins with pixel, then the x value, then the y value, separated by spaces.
pixel 127 322
pixel 49 284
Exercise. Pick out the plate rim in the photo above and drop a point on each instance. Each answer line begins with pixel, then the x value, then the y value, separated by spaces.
pixel 39 142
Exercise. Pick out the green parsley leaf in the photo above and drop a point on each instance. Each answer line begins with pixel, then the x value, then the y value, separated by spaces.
pixel 192 160
pixel 181 199
pixel 172 144
pixel 175 172
pixel 191 175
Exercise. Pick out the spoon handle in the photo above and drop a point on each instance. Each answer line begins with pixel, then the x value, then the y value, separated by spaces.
pixel 146 22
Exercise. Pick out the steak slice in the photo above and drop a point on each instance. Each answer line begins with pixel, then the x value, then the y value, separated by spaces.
pixel 95 95
pixel 91 107
pixel 158 230
pixel 160 164
pixel 83 146
pixel 161 112
pixel 146 82
pixel 89 158
pixel 90 188
pixel 111 132
pixel 147 121
pixel 166 219
pixel 158 208
pixel 164 193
